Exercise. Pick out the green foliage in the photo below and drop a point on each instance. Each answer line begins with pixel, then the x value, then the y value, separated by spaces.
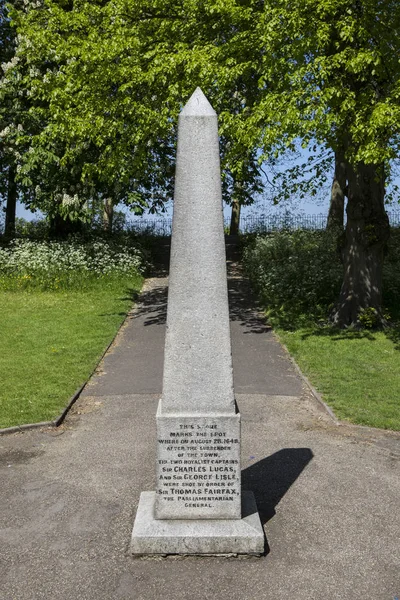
pixel 391 274
pixel 105 83
pixel 298 275
pixel 35 229
pixel 369 318
pixel 100 85
pixel 337 77
pixel 88 127
pixel 295 272
pixel 10 103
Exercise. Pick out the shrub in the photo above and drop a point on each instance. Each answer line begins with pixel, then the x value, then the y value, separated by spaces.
pixel 35 229
pixel 299 274
pixel 391 273
pixel 295 272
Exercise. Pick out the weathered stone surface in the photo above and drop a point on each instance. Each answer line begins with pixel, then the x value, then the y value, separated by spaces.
pixel 198 364
pixel 198 467
pixel 197 508
pixel 212 536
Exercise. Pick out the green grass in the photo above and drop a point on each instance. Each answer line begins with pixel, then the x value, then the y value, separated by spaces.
pixel 50 342
pixel 357 372
pixel 298 275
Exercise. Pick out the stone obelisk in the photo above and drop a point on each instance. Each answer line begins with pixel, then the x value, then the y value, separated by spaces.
pixel 198 505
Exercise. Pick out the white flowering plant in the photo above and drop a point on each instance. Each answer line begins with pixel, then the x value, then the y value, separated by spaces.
pixel 58 265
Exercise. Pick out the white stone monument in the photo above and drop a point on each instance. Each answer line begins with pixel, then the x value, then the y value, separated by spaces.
pixel 198 507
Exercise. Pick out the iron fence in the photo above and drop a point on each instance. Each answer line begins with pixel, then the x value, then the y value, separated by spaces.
pixel 251 224
pixel 266 223
pixel 159 227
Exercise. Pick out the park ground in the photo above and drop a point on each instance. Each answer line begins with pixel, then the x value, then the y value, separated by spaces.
pixel 327 494
pixel 56 326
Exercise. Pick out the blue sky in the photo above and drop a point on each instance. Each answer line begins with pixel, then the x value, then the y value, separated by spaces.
pixel 262 205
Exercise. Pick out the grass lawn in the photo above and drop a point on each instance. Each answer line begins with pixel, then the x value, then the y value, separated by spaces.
pixel 50 342
pixel 357 373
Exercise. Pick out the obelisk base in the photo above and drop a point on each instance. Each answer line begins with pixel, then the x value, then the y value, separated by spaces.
pixel 213 537
pixel 198 466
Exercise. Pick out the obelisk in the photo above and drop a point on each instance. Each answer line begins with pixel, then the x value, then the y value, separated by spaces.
pixel 198 505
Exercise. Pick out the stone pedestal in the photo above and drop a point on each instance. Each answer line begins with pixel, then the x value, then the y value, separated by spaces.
pixel 198 507
pixel 199 537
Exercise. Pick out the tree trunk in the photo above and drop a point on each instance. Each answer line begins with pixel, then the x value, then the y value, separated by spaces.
pixel 338 193
pixel 367 232
pixel 108 214
pixel 11 208
pixel 235 218
pixel 62 228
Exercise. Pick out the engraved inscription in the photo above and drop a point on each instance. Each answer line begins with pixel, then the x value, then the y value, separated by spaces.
pixel 199 467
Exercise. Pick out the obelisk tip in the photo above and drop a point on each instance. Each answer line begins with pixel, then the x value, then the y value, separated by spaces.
pixel 198 106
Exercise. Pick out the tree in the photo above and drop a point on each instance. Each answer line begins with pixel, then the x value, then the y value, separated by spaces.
pixel 114 76
pixel 106 131
pixel 357 87
pixel 338 194
pixel 328 73
pixel 241 182
pixel 25 174
pixel 8 126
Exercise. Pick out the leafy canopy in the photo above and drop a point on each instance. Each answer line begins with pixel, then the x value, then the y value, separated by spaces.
pixel 106 80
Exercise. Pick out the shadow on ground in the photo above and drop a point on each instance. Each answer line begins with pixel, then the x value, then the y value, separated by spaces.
pixel 241 307
pixel 392 333
pixel 130 294
pixel 271 477
pixel 153 304
pixel 339 334
pixel 153 307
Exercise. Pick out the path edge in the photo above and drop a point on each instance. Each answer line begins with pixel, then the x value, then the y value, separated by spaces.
pixel 53 424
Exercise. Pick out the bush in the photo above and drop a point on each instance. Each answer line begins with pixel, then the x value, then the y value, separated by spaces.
pixel 295 272
pixel 391 273
pixel 298 274
pixel 53 265
pixel 35 229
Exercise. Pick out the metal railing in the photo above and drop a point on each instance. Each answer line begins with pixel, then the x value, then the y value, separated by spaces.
pixel 266 223
pixel 252 224
pixel 159 227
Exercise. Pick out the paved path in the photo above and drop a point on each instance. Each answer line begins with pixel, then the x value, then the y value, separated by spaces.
pixel 328 496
